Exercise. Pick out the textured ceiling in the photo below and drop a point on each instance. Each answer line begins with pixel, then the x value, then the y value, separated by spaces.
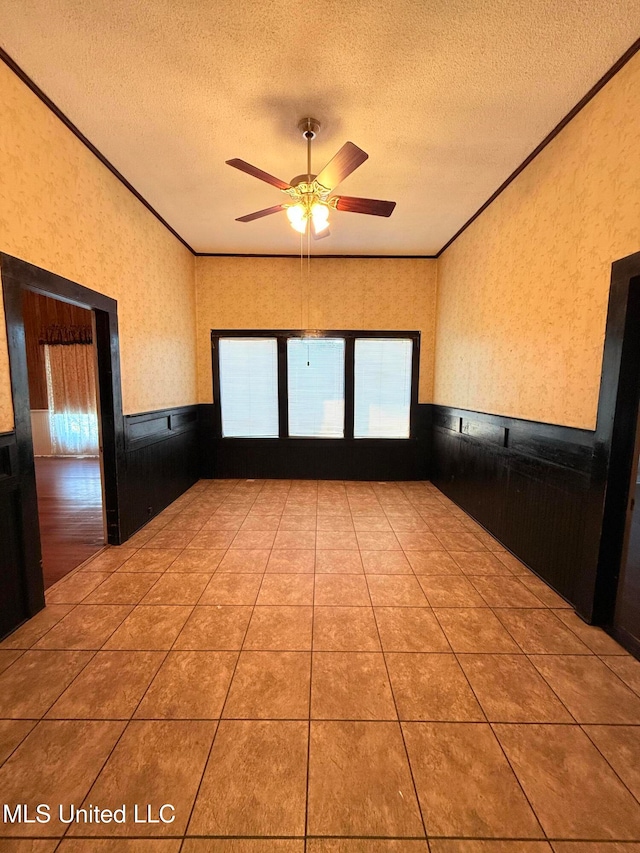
pixel 446 96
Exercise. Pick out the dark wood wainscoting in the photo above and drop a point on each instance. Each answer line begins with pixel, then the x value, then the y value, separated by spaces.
pixel 528 484
pixel 162 461
pixel 315 458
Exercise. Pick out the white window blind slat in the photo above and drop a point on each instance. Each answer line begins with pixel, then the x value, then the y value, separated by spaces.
pixel 382 402
pixel 249 387
pixel 315 379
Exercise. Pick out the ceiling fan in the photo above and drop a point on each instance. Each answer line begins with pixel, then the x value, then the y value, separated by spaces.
pixel 310 195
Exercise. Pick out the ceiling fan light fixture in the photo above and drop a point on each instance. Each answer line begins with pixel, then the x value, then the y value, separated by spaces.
pixel 297 216
pixel 320 216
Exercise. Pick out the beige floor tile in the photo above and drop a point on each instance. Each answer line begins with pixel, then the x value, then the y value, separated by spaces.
pixel 336 523
pixel 213 540
pixel 253 539
pixel 409 522
pixel 592 636
pixel 350 590
pixel 34 682
pixel 230 523
pixel 189 686
pixel 410 629
pixel 120 845
pixel 85 627
pixel 215 628
pixel 360 782
pixel 295 539
pixel 155 761
pixel 505 592
pixel 431 687
pixel 395 591
pixel 474 629
pixel 541 632
pixel 544 592
pixel 620 745
pixel 594 847
pixel 170 539
pixel 177 588
pixel 286 589
pixel 12 733
pixel 255 780
pixel 243 561
pixel 242 845
pixel 292 561
pixel 297 522
pixel 369 845
pixel 150 560
pixel 109 560
pixel 377 541
pixel 371 523
pixel 450 591
pixel 351 686
pixel 515 566
pixel 109 687
pixel 231 588
pixel 56 763
pixel 7 657
pixel 338 562
pixel 123 588
pixel 280 628
pixel 626 668
pixel 511 690
pixel 573 790
pixel 260 522
pixel 345 629
pixel 591 692
pixel 433 563
pixel 418 541
pixel 480 563
pixel 459 541
pixel 150 627
pixel 466 758
pixel 385 563
pixel 270 685
pixel 328 540
pixel 29 633
pixel 197 560
pixel 76 588
pixel 447 845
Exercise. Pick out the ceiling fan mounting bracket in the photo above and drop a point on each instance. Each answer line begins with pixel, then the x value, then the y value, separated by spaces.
pixel 309 127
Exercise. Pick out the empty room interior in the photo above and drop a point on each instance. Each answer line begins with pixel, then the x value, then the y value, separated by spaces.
pixel 320 427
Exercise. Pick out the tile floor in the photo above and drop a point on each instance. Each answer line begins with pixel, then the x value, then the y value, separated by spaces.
pixel 321 667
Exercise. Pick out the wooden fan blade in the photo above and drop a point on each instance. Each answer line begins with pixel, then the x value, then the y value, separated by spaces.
pixel 347 160
pixel 319 235
pixel 372 206
pixel 260 213
pixel 258 173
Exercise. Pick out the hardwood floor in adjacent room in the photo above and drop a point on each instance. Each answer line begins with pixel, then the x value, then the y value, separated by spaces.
pixel 70 510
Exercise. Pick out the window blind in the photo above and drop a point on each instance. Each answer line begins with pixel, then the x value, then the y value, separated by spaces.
pixel 316 387
pixel 249 387
pixel 382 400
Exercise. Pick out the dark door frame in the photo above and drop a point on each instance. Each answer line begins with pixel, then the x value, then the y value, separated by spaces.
pixel 17 276
pixel 615 439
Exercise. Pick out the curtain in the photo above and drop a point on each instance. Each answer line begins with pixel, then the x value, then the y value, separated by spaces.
pixel 71 389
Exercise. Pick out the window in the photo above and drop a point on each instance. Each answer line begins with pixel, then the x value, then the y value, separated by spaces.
pixel 315 380
pixel 248 387
pixel 315 385
pixel 382 382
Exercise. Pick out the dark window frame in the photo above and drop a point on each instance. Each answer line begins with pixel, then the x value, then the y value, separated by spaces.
pixel 282 336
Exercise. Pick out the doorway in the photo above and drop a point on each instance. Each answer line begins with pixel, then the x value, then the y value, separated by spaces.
pixel 21 564
pixel 63 401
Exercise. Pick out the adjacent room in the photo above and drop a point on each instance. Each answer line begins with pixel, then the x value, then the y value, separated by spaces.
pixel 319 427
